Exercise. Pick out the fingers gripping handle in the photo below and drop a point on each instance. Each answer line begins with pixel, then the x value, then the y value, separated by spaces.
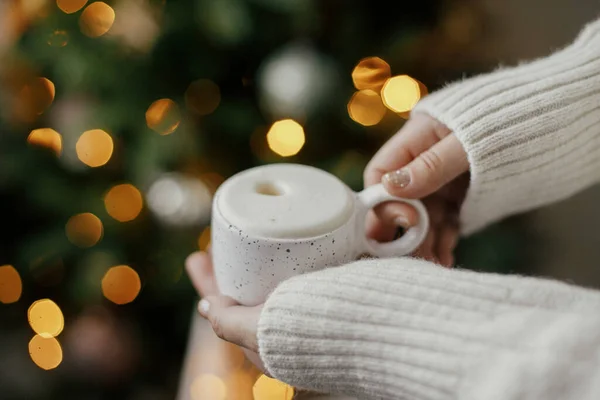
pixel 412 238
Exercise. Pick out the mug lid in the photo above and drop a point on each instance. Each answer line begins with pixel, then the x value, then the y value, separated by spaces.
pixel 285 201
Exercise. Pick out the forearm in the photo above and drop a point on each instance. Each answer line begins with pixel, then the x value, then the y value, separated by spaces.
pixel 532 133
pixel 388 329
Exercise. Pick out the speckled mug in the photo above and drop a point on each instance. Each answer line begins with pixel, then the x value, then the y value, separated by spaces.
pixel 276 221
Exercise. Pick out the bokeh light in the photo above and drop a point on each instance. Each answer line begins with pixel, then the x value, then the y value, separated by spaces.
pixel 163 116
pixel 94 148
pixel 366 107
pixel 11 285
pixel 267 388
pixel 203 96
pixel 45 352
pixel 208 387
pixel 71 6
pixel 35 98
pixel 123 202
pixel 204 239
pixel 46 137
pixel 286 137
pixel 401 93
pixel 46 318
pixel 96 19
pixel 121 284
pixel 241 382
pixel 58 38
pixel 371 73
pixel 84 230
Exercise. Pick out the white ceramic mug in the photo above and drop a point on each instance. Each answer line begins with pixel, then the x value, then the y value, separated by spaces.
pixel 273 222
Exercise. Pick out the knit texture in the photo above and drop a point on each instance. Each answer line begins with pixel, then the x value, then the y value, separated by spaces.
pixel 531 132
pixel 407 329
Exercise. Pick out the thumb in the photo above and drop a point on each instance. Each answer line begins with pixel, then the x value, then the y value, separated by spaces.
pixel 431 170
pixel 230 321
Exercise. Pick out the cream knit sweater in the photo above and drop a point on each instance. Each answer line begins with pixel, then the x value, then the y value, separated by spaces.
pixel 407 329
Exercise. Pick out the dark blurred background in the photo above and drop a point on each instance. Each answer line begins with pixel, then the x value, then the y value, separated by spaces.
pixel 118 121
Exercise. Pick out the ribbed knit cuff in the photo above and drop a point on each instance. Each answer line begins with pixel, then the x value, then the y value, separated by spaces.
pixel 532 132
pixel 396 328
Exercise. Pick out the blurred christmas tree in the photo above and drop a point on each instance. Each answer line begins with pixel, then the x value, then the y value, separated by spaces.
pixel 118 120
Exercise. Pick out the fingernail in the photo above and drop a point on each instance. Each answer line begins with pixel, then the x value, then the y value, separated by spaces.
pixel 399 178
pixel 401 221
pixel 203 307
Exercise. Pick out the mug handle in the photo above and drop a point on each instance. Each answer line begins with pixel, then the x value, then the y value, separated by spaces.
pixel 412 238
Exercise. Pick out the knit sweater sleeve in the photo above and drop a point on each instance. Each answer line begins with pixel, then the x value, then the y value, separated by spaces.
pixel 406 329
pixel 531 132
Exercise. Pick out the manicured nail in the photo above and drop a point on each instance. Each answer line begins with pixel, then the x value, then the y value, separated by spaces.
pixel 399 178
pixel 401 221
pixel 203 307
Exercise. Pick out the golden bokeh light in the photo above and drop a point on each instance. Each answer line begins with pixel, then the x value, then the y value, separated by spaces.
pixel 121 284
pixel 366 107
pixel 94 148
pixel 401 93
pixel 286 137
pixel 35 98
pixel 123 202
pixel 45 352
pixel 96 19
pixel 163 116
pixel 11 285
pixel 241 383
pixel 84 230
pixel 208 387
pixel 267 388
pixel 203 96
pixel 58 38
pixel 371 73
pixel 71 6
pixel 46 137
pixel 204 239
pixel 46 318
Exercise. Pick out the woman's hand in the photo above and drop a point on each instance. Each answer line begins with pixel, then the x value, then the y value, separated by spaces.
pixel 424 160
pixel 229 320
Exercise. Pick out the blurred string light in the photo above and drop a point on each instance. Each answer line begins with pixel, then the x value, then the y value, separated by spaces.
pixel 179 200
pixel 58 38
pixel 11 285
pixel 45 318
pixel 295 81
pixel 266 388
pixel 123 202
pixel 371 73
pixel 208 387
pixel 163 116
pixel 121 284
pixel 286 137
pixel 94 148
pixel 97 19
pixel 202 96
pixel 241 383
pixel 84 230
pixel 45 352
pixel 34 98
pixel 204 239
pixel 71 6
pixel 46 137
pixel 401 93
pixel 137 24
pixel 366 107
